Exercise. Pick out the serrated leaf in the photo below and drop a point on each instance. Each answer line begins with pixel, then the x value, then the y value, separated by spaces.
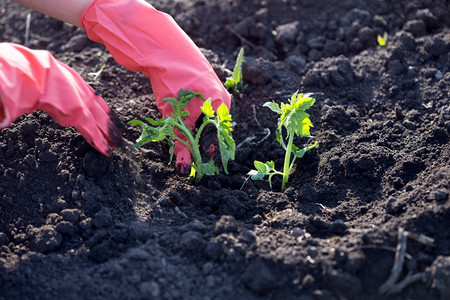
pixel 165 128
pixel 273 106
pixel 159 134
pixel 155 122
pixel 170 121
pixel 227 147
pixel 171 100
pixel 150 133
pixel 180 103
pixel 184 93
pixel 136 122
pixel 185 96
pixel 207 108
pixel 302 101
pixel 306 125
pixel 293 116
pixel 223 113
pixel 210 169
pixel 297 123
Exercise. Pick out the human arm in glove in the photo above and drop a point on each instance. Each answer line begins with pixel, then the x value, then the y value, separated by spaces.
pixel 143 39
pixel 34 80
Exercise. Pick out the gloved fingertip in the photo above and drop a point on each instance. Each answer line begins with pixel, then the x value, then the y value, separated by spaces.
pixel 104 149
pixel 115 130
pixel 183 169
pixel 108 152
pixel 183 162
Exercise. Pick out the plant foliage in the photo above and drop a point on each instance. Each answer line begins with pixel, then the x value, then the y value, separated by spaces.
pixel 159 130
pixel 235 83
pixel 382 40
pixel 295 122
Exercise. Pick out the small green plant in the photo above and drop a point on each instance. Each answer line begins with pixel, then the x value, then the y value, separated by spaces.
pixel 159 130
pixel 235 83
pixel 382 40
pixel 296 123
pixel 97 74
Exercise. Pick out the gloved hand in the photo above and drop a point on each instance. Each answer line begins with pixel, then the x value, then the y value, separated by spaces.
pixel 145 40
pixel 34 80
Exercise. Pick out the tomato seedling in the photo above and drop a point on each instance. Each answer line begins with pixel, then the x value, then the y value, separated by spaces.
pixel 235 83
pixel 296 123
pixel 159 130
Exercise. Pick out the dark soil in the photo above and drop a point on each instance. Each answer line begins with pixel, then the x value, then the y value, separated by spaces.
pixel 77 225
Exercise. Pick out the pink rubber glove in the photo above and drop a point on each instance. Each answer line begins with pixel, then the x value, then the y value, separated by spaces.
pixel 34 80
pixel 145 40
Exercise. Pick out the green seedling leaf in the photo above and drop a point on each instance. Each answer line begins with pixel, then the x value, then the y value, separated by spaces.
pixel 97 74
pixel 273 106
pixel 235 83
pixel 136 122
pixel 224 114
pixel 294 117
pixel 179 104
pixel 227 150
pixel 270 165
pixel 382 40
pixel 301 152
pixel 260 166
pixel 255 175
pixel 171 144
pixel 230 83
pixel 227 145
pixel 237 71
pixel 155 122
pixel 298 122
pixel 155 133
pixel 263 170
pixel 207 109
pixel 209 169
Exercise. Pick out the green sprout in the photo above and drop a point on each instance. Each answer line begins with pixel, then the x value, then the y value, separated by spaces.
pixel 97 74
pixel 159 130
pixel 382 40
pixel 296 123
pixel 235 83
